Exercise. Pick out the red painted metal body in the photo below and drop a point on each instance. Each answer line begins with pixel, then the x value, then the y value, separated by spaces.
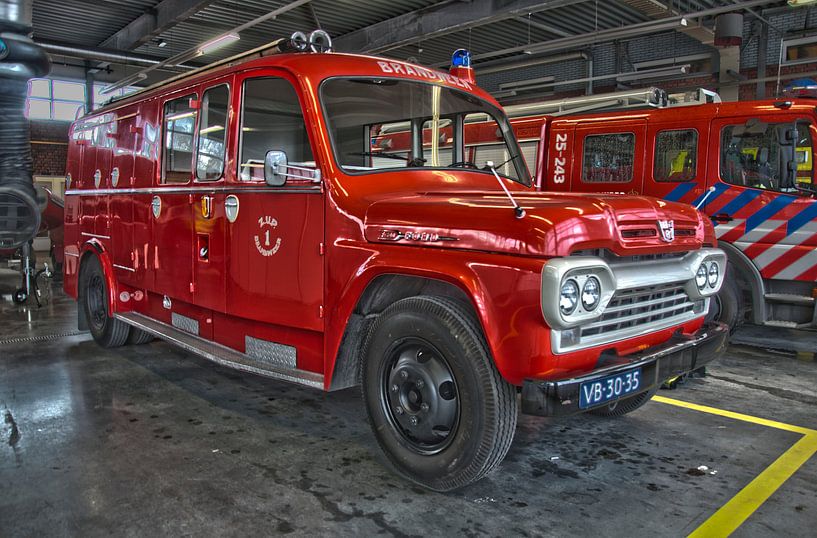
pixel 327 236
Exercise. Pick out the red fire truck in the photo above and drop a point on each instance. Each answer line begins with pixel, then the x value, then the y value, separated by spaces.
pixel 747 165
pixel 240 212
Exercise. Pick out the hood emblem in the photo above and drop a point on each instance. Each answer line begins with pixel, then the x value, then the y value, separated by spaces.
pixel 667 228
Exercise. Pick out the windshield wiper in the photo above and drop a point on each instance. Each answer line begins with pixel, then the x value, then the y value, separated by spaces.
pixel 379 154
pixel 464 164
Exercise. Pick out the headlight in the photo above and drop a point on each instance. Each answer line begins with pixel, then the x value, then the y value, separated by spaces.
pixel 569 297
pixel 713 275
pixel 591 293
pixel 701 276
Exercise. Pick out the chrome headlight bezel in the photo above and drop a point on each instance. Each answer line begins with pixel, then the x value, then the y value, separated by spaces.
pixel 717 273
pixel 702 276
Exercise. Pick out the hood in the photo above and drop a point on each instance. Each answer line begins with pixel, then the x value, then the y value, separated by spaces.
pixel 554 224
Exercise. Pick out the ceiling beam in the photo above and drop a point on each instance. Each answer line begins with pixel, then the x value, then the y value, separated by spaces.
pixel 165 15
pixel 437 20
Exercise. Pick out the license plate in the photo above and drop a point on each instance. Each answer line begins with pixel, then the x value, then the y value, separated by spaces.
pixel 613 387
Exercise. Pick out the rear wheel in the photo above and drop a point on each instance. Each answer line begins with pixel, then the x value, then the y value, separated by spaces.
pixel 625 405
pixel 438 407
pixel 106 330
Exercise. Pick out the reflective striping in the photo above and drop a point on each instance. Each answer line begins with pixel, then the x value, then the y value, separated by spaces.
pixel 739 202
pixel 760 232
pixel 807 215
pixel 767 212
pixel 794 268
pixel 721 229
pixel 769 255
pixel 680 191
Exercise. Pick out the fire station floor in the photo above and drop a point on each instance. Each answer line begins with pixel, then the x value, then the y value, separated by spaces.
pixel 153 441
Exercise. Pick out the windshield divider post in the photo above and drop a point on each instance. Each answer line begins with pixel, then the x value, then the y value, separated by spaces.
pixel 459 138
pixel 416 139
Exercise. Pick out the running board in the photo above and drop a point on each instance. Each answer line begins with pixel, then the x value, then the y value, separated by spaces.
pixel 789 298
pixel 218 353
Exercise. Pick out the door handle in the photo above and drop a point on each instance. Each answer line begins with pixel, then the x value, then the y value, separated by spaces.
pixel 722 217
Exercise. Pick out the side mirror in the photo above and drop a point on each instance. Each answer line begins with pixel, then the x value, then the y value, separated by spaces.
pixel 275 168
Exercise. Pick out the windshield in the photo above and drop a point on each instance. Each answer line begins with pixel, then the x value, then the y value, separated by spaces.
pixel 382 124
pixel 771 156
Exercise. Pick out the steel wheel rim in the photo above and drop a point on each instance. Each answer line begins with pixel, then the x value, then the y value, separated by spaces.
pixel 419 396
pixel 96 302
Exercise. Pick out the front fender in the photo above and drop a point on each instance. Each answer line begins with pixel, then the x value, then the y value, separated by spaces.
pixel 503 290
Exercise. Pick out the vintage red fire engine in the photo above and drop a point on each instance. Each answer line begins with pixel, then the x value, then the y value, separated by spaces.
pixel 241 213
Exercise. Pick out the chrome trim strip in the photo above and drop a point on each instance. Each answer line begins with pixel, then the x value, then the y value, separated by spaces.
pixel 218 353
pixel 307 189
pixel 131 269
pixel 72 254
pixel 86 234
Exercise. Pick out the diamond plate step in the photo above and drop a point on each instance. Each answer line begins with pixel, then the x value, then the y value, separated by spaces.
pixel 221 354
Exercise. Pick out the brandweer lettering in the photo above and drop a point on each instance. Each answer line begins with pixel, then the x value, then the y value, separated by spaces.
pixel 437 76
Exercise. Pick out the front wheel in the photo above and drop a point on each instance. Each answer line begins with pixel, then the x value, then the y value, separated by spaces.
pixel 438 407
pixel 106 330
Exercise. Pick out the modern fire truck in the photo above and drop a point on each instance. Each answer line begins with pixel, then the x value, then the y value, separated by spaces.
pixel 241 213
pixel 747 165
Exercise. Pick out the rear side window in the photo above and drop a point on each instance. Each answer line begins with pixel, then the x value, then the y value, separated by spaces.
pixel 179 122
pixel 271 120
pixel 608 158
pixel 212 133
pixel 676 155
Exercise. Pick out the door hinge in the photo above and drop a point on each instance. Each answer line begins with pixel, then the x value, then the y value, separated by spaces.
pixel 320 311
pixel 192 287
pixel 321 249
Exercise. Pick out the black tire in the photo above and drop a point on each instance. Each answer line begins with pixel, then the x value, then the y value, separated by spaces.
pixel 728 306
pixel 138 337
pixel 106 330
pixel 466 411
pixel 624 406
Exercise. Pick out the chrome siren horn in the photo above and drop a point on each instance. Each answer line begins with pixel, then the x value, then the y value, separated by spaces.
pixel 319 41
pixel 299 41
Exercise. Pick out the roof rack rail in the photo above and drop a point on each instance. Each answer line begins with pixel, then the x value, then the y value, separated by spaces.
pixel 652 97
pixel 316 41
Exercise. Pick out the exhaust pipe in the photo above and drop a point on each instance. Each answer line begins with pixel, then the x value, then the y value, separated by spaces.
pixel 20 60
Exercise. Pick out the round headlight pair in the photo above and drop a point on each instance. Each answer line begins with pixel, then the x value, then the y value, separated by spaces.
pixel 707 275
pixel 569 295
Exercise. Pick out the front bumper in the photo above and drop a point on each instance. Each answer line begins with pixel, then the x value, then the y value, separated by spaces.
pixel 681 354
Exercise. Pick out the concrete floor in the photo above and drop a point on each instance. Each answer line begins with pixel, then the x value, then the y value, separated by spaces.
pixel 149 441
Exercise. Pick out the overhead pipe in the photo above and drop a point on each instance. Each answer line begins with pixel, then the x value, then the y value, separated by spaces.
pixel 103 55
pixel 20 60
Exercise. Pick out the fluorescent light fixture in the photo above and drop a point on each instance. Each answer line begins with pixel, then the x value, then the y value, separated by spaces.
pixel 217 43
pixel 127 81
pixel 654 73
pixel 180 116
pixel 212 129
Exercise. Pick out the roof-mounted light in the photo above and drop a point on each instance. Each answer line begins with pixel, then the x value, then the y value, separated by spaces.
pixel 218 43
pixel 461 58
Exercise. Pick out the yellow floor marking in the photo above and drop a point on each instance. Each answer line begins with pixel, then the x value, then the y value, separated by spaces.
pixel 732 515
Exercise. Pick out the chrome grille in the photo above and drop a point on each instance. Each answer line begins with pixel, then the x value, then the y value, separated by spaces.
pixel 645 306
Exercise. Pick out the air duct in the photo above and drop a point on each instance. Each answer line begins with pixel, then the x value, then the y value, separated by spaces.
pixel 20 60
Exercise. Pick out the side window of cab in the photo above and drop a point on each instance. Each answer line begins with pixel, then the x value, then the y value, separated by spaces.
pixel 271 120
pixel 178 126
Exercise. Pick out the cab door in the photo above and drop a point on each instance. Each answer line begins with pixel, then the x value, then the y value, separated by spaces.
pixel 173 197
pixel 609 158
pixel 676 161
pixel 275 235
pixel 214 135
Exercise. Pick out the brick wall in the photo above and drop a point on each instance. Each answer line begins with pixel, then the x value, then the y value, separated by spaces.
pixel 49 147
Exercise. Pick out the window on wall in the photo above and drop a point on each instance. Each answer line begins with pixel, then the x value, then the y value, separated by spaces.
pixel 212 133
pixel 271 119
pixel 48 99
pixel 608 158
pixel 179 122
pixel 676 155
pixel 800 50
